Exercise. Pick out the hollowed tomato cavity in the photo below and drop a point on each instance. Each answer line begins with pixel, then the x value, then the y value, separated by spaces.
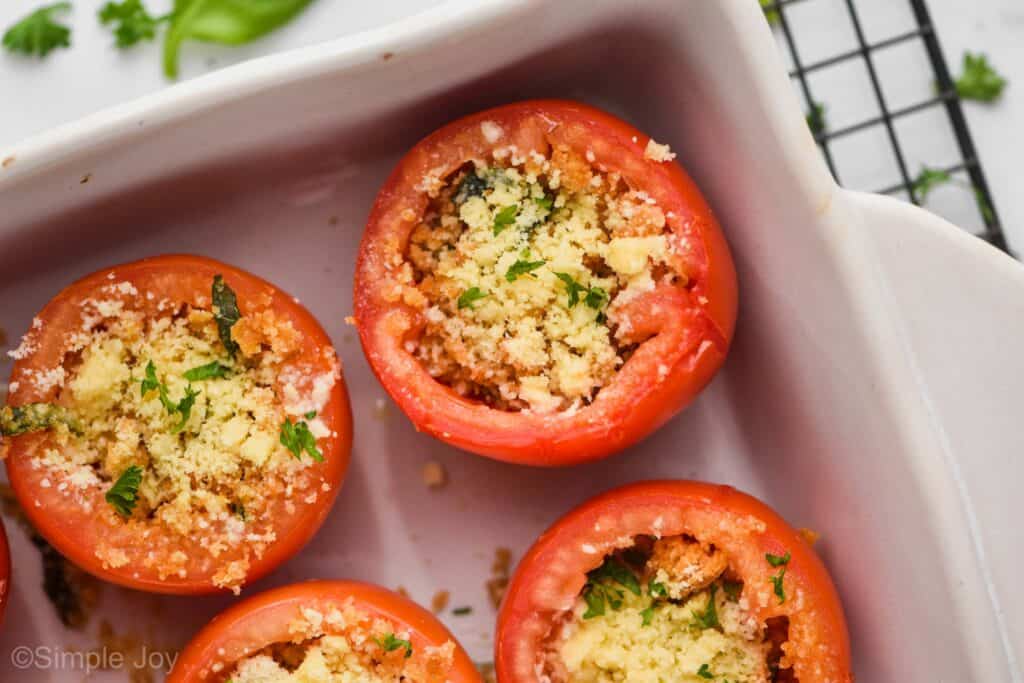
pixel 170 442
pixel 345 645
pixel 524 266
pixel 665 609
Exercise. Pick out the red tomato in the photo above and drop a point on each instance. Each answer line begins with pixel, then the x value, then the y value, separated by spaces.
pixel 5 571
pixel 253 624
pixel 79 530
pixel 553 573
pixel 692 326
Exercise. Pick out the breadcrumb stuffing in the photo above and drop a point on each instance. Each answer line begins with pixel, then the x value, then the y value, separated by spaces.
pixel 345 645
pixel 520 267
pixel 658 152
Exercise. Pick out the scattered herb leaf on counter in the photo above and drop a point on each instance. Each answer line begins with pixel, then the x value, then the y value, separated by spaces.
pixel 979 80
pixel 225 312
pixel 123 495
pixel 462 611
pixel 228 22
pixel 132 21
pixel 928 179
pixel 37 33
pixel 816 118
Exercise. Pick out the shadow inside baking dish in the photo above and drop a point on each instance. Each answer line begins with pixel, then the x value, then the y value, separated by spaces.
pixel 793 417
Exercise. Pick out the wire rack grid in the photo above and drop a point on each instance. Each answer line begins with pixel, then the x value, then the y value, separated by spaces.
pixel 887 117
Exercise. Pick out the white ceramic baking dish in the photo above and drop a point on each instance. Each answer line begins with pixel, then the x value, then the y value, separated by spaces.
pixel 873 393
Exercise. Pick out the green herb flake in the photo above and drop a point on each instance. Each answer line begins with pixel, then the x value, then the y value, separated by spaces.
pixel 462 611
pixel 928 179
pixel 470 296
pixel 778 589
pixel 34 417
pixel 389 643
pixel 296 437
pixel 708 617
pixel 777 560
pixel 132 22
pixel 596 298
pixel 771 11
pixel 656 589
pixel 184 407
pixel 37 33
pixel 705 672
pixel 123 495
pixel 594 597
pixel 572 287
pixel 214 370
pixel 522 267
pixel 546 202
pixel 310 415
pixel 619 573
pixel 816 118
pixel 225 312
pixel 504 218
pixel 979 80
pixel 732 589
pixel 647 615
pixel 470 186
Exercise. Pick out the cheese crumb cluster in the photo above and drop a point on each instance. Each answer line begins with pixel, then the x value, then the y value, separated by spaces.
pixel 664 611
pixel 344 646
pixel 521 266
pixel 161 397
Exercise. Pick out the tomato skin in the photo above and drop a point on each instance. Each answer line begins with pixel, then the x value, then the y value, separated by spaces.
pixel 263 619
pixel 76 533
pixel 553 572
pixel 5 571
pixel 659 380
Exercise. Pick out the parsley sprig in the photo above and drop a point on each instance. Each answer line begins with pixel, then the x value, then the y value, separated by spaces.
pixel 504 218
pixel 132 21
pixel 777 579
pixel 123 495
pixel 602 588
pixel 522 267
pixel 470 296
pixel 212 370
pixel 297 437
pixel 38 33
pixel 979 80
pixel 225 312
pixel 390 643
pixel 151 383
pixel 705 672
pixel 708 617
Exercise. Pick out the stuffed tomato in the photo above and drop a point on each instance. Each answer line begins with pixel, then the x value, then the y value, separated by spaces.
pixel 541 283
pixel 176 425
pixel 672 581
pixel 325 631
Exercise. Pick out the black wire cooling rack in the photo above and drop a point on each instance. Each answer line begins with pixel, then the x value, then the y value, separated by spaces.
pixel 945 96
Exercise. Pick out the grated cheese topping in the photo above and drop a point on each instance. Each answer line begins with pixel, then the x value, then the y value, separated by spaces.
pixel 520 268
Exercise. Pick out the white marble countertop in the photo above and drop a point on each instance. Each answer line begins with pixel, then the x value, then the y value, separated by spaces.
pixel 38 95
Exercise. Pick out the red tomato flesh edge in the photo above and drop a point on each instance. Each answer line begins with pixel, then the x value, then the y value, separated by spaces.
pixel 76 533
pixel 695 325
pixel 553 572
pixel 263 620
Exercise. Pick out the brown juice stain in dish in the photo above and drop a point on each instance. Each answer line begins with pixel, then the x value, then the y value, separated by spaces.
pixel 501 569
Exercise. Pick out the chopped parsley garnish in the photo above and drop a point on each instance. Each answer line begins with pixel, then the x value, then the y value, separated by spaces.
pixel 390 643
pixel 123 495
pixel 34 417
pixel 132 21
pixel 573 288
pixel 183 407
pixel 470 296
pixel 504 218
pixel 656 589
pixel 647 615
pixel 816 118
pixel 705 672
pixel 462 611
pixel 37 33
pixel 928 179
pixel 470 186
pixel 214 370
pixel 979 80
pixel 708 617
pixel 225 312
pixel 296 437
pixel 522 267
pixel 546 202
pixel 777 560
pixel 600 592
pixel 732 589
pixel 780 592
pixel 596 297
pixel 310 415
